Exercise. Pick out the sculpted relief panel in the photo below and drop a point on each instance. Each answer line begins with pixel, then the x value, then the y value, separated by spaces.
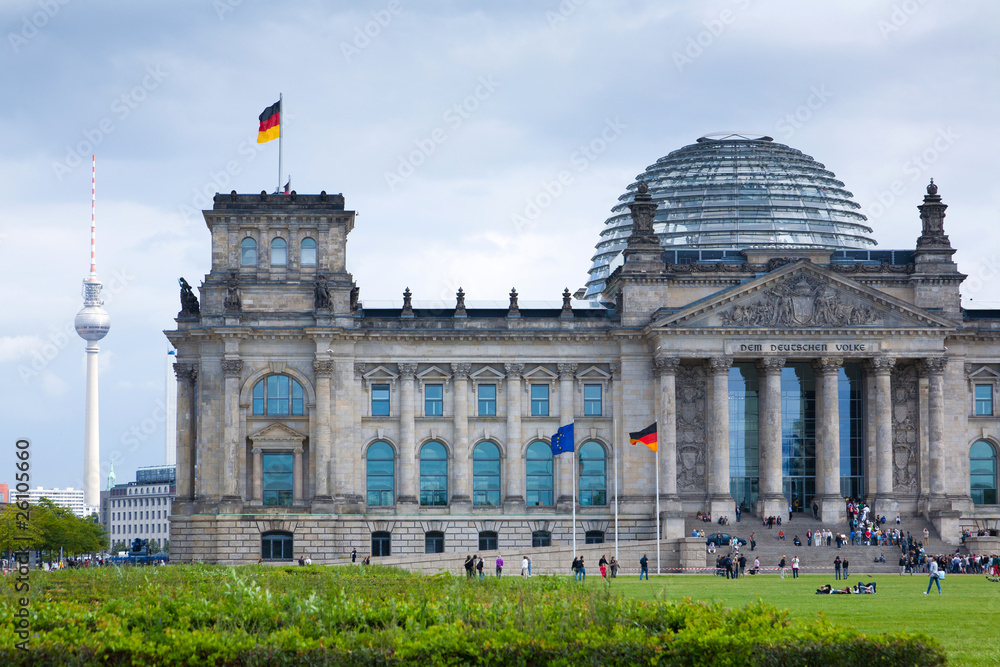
pixel 804 301
pixel 905 428
pixel 691 433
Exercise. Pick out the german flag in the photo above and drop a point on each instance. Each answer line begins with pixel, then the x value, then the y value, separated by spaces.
pixel 646 436
pixel 270 123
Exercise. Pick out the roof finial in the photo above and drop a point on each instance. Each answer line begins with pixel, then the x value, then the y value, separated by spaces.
pixel 931 188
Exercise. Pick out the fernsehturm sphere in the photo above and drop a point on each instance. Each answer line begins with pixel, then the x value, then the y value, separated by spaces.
pixel 92 324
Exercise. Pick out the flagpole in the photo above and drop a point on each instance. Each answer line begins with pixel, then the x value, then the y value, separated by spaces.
pixel 281 130
pixel 614 444
pixel 657 459
pixel 574 499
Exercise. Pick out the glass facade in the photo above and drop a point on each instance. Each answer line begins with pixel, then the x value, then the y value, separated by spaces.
pixel 736 192
pixel 744 470
pixel 486 475
pixel 850 390
pixel 798 435
pixel 538 475
pixel 277 477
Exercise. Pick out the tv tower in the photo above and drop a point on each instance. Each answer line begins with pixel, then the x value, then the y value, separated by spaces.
pixel 92 324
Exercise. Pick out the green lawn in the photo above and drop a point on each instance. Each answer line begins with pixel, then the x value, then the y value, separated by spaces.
pixel 964 618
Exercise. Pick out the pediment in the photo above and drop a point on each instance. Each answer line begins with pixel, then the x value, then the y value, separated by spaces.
pixel 380 373
pixel 276 433
pixel 593 373
pixel 983 373
pixel 433 373
pixel 487 374
pixel 540 374
pixel 802 295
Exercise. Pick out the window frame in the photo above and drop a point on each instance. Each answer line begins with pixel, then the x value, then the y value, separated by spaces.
pixel 436 497
pixel 278 243
pixel 313 247
pixel 588 403
pixel 485 536
pixel 248 244
pixel 983 495
pixel 432 403
pixel 387 401
pixel 280 499
pixel 541 539
pixel 272 536
pixel 490 403
pixel 434 542
pixel 531 476
pixel 383 539
pixel 986 401
pixel 537 404
pixel 490 496
pixel 261 402
pixel 595 497
pixel 386 497
pixel 594 537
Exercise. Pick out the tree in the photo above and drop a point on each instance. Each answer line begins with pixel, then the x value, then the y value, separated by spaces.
pixel 166 546
pixel 118 546
pixel 154 547
pixel 63 529
pixel 16 532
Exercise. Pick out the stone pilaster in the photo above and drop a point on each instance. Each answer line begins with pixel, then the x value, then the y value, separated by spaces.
pixel 771 501
pixel 935 367
pixel 187 376
pixel 408 487
pixel 828 497
pixel 564 464
pixel 885 501
pixel 666 369
pixel 461 499
pixel 720 499
pixel 514 470
pixel 257 497
pixel 232 369
pixel 323 370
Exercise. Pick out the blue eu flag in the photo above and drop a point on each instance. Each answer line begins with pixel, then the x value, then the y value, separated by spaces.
pixel 562 441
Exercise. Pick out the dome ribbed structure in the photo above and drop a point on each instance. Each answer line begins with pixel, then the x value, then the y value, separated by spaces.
pixel 732 192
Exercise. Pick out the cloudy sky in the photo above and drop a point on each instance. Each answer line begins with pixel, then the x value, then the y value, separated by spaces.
pixel 445 125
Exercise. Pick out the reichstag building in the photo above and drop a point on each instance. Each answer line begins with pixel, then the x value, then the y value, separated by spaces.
pixel 736 297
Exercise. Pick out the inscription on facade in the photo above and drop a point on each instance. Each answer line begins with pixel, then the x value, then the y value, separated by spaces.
pixel 838 348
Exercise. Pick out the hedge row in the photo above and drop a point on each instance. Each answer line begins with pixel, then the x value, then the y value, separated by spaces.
pixel 378 616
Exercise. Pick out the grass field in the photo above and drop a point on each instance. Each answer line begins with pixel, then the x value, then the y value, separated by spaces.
pixel 965 618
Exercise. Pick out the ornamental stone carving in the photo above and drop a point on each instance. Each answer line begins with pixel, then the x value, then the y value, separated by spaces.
pixel 186 371
pixel 828 365
pixel 232 367
pixel 359 370
pixel 806 301
pixel 666 365
pixel 566 371
pixel 882 365
pixel 407 370
pixel 689 391
pixel 233 303
pixel 935 365
pixel 461 371
pixel 905 428
pixel 513 371
pixel 720 364
pixel 770 365
pixel 616 370
pixel 323 368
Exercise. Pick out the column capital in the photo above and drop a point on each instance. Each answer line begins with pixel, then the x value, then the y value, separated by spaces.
pixel 566 371
pixel 461 371
pixel 407 371
pixel 255 450
pixel 720 364
pixel 359 370
pixel 185 370
pixel 828 365
pixel 666 365
pixel 323 368
pixel 513 371
pixel 770 365
pixel 232 368
pixel 616 370
pixel 934 365
pixel 882 365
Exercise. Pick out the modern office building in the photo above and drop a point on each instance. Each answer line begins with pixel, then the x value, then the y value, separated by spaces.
pixel 737 298
pixel 141 509
pixel 70 498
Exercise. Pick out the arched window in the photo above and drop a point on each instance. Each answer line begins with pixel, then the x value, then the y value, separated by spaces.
pixel 381 475
pixel 279 252
pixel 307 252
pixel 381 543
pixel 983 473
pixel 277 395
pixel 276 545
pixel 486 475
pixel 433 474
pixel 487 540
pixel 541 538
pixel 538 475
pixel 594 537
pixel 433 542
pixel 593 475
pixel 248 252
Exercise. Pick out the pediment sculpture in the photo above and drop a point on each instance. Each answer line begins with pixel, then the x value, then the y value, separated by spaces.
pixel 804 301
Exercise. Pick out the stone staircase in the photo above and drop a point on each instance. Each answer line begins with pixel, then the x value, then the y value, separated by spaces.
pixel 818 559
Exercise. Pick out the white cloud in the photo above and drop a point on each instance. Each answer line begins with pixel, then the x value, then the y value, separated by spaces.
pixel 13 348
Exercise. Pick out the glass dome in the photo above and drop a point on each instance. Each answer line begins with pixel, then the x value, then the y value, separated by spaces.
pixel 733 191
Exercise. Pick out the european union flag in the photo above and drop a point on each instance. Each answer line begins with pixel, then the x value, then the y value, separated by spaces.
pixel 562 441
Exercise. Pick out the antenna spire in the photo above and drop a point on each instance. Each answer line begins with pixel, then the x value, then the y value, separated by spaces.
pixel 93 220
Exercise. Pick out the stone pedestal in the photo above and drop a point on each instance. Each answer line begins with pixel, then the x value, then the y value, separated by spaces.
pixel 832 509
pixel 946 524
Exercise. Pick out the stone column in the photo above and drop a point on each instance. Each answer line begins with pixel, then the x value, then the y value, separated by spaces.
pixel 323 370
pixel 666 420
pixel 935 367
pixel 828 497
pixel 564 464
pixel 461 498
pixel 514 470
pixel 772 501
pixel 720 499
pixel 231 370
pixel 187 375
pixel 408 483
pixel 258 477
pixel 885 501
pixel 297 476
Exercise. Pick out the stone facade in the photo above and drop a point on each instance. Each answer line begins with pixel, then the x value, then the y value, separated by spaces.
pixel 290 390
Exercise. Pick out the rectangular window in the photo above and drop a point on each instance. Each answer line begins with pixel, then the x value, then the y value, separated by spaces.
pixel 433 400
pixel 984 400
pixel 277 478
pixel 487 400
pixel 380 400
pixel 539 400
pixel 592 400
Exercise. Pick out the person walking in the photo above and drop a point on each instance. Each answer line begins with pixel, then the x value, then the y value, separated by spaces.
pixel 753 542
pixel 499 565
pixel 576 568
pixel 583 570
pixel 935 576
pixel 529 566
pixel 614 567
pixel 781 565
pixel 902 565
pixel 524 566
pixel 644 567
pixel 836 567
pixel 743 566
